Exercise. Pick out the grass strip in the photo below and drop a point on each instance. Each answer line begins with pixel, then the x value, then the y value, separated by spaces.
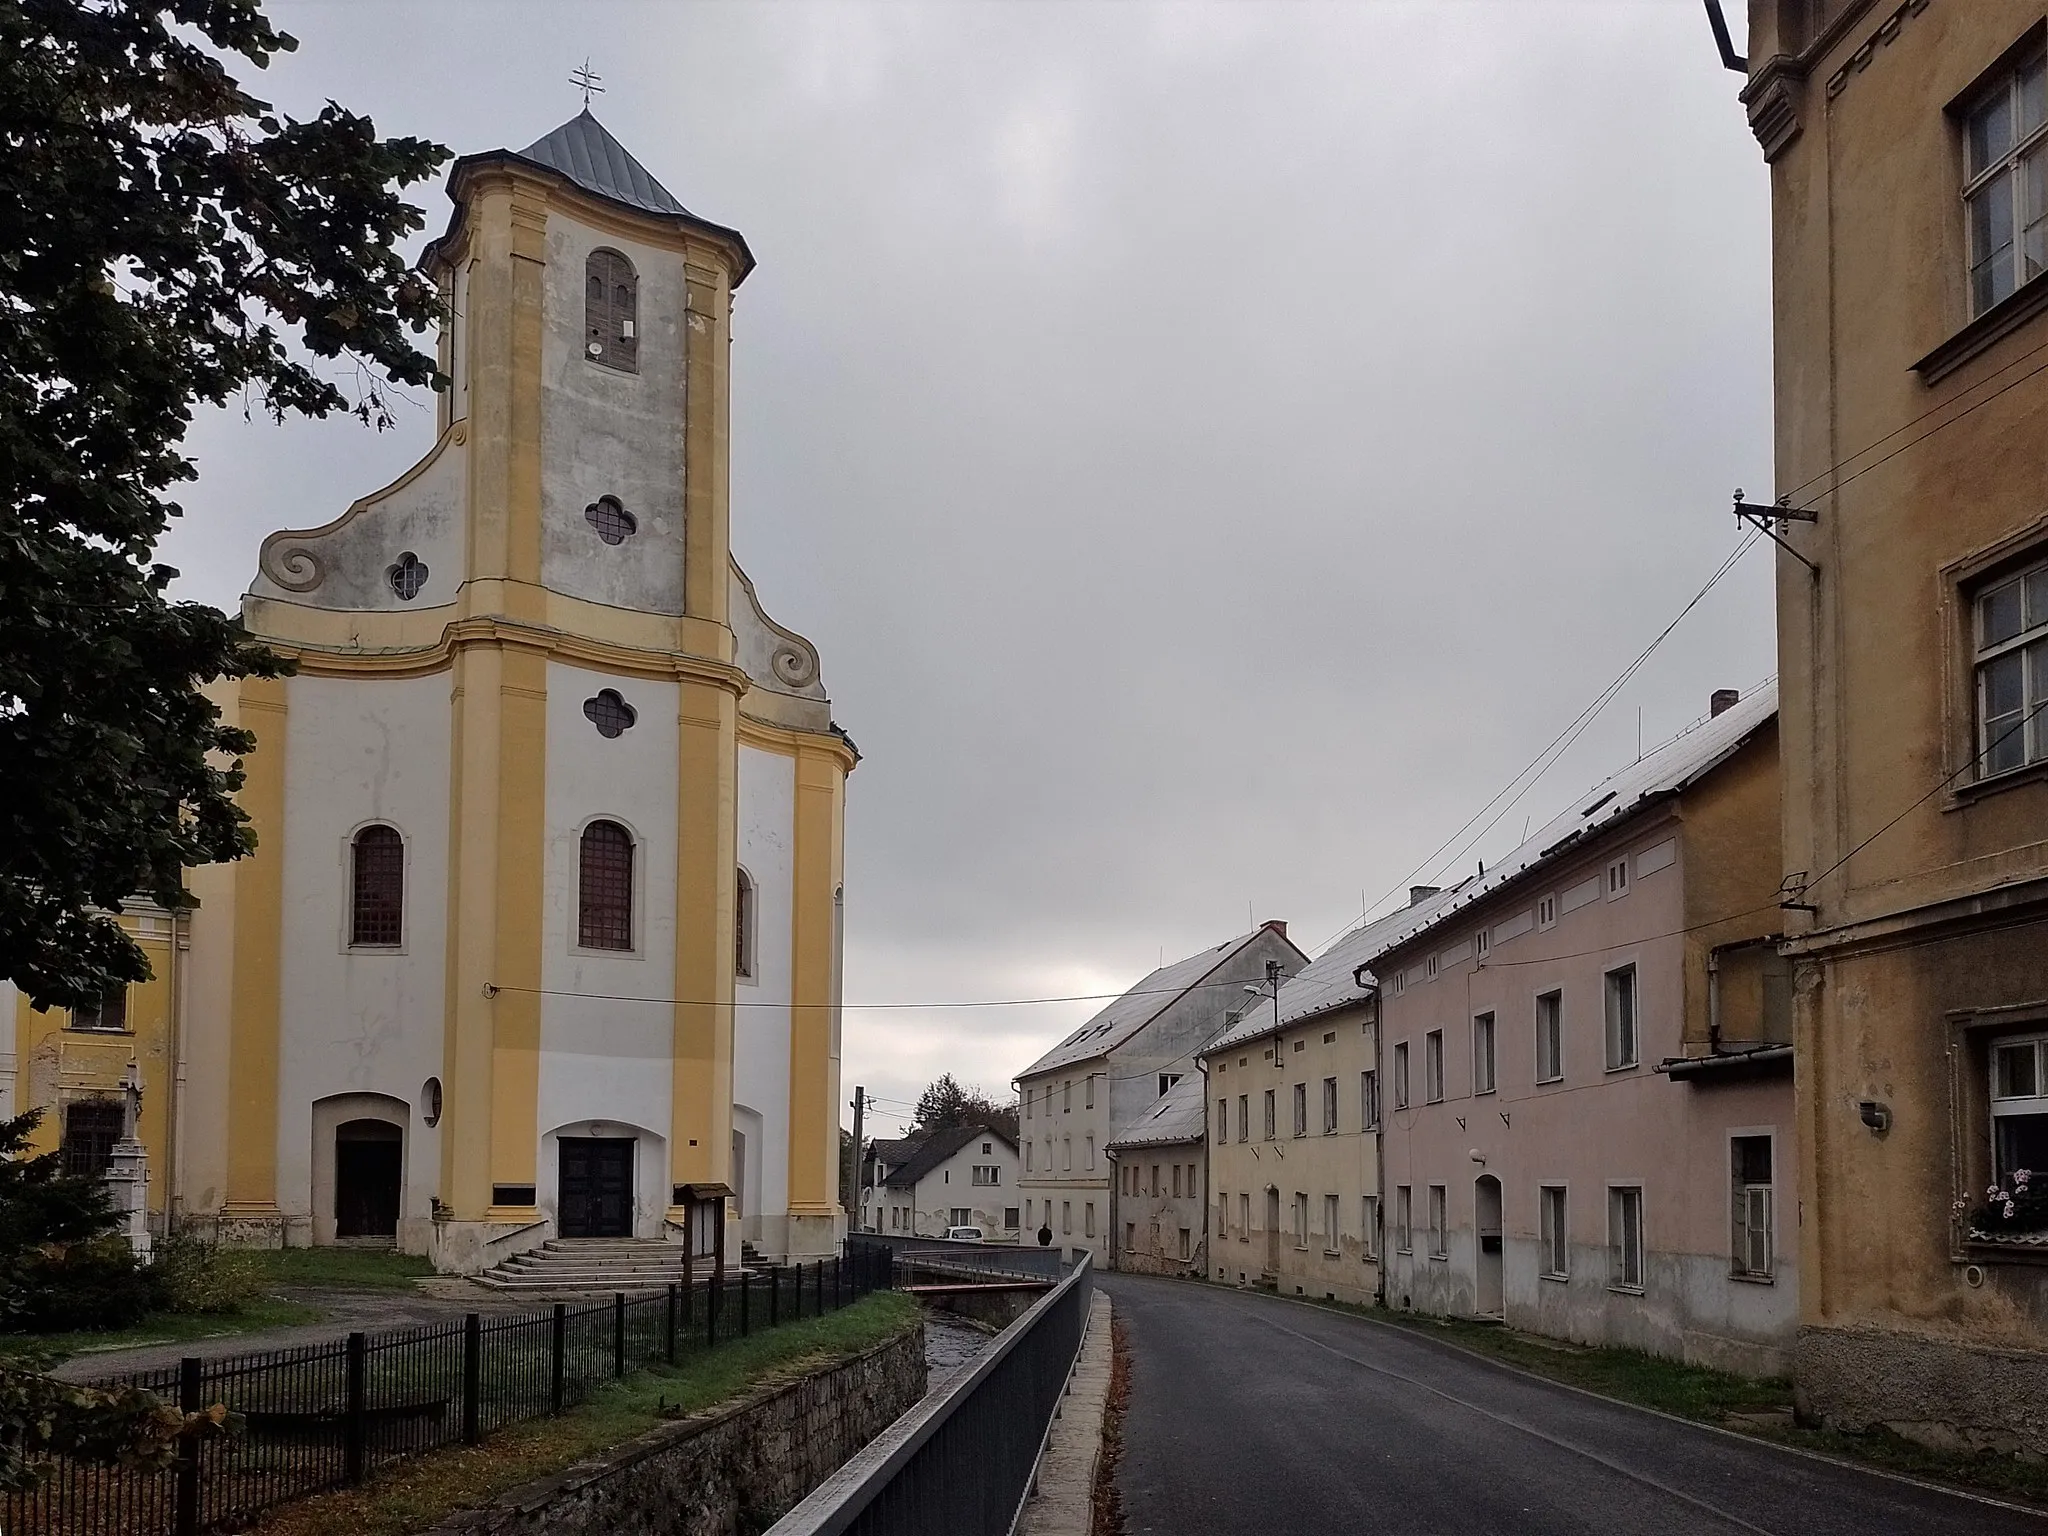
pixel 412 1495
pixel 353 1269
pixel 161 1328
pixel 1761 1409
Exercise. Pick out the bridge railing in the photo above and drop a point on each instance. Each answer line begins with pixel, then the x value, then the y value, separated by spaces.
pixel 1007 1260
pixel 961 1462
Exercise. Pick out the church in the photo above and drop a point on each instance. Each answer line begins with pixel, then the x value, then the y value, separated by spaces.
pixel 542 935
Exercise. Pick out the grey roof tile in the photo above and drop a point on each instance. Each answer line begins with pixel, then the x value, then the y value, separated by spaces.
pixel 585 152
pixel 1179 1115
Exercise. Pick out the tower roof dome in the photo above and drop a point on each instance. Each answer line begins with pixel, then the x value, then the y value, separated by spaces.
pixel 584 150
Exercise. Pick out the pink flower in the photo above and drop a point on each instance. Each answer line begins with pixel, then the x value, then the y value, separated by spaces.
pixel 2021 1176
pixel 2008 1210
pixel 1993 1192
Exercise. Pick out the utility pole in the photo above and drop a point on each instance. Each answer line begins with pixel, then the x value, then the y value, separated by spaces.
pixel 1273 981
pixel 860 1160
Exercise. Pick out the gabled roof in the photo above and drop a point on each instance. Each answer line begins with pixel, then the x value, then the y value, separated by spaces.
pixel 1180 1115
pixel 1138 1007
pixel 1665 771
pixel 894 1153
pixel 936 1148
pixel 1329 982
pixel 583 150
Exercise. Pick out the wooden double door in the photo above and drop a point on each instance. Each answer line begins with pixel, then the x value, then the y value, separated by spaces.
pixel 596 1189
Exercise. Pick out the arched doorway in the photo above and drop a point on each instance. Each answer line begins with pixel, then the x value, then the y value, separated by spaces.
pixel 1486 1228
pixel 369 1171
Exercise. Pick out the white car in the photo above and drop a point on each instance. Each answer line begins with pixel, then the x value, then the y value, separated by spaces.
pixel 964 1235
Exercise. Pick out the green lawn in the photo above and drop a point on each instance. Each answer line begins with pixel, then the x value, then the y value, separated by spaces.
pixel 354 1269
pixel 416 1494
pixel 162 1328
pixel 1758 1408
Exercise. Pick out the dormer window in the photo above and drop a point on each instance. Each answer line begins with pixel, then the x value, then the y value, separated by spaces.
pixel 611 311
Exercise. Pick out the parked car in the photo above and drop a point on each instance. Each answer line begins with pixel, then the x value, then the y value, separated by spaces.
pixel 964 1235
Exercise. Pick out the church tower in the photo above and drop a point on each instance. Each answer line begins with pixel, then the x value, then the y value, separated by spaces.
pixel 542 936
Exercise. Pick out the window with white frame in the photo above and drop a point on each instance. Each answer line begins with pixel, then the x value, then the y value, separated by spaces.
pixel 1482 1053
pixel 1088 1091
pixel 1329 1106
pixel 2005 193
pixel 1617 878
pixel 1749 1171
pixel 1433 1066
pixel 1551 1232
pixel 1401 1075
pixel 1621 1018
pixel 1166 1082
pixel 1331 1242
pixel 1244 1117
pixel 1404 1219
pixel 1067 1096
pixel 1549 1036
pixel 2012 666
pixel 988 1175
pixel 1546 912
pixel 1439 1223
pixel 1244 1218
pixel 1223 1119
pixel 1176 1180
pixel 1625 1237
pixel 1368 1100
pixel 1369 1227
pixel 2019 1105
pixel 1269 1124
pixel 1482 943
pixel 1301 1109
pixel 1429 967
pixel 1300 1220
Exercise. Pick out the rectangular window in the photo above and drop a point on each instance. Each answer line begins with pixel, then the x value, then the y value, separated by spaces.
pixel 1088 1216
pixel 1091 1154
pixel 1549 1037
pixel 1067 1096
pixel 1130 1237
pixel 1223 1215
pixel 1404 1219
pixel 1223 1119
pixel 1546 912
pixel 1368 1100
pixel 1482 943
pixel 1269 1114
pixel 1067 1217
pixel 1300 1220
pixel 1301 1109
pixel 1029 1095
pixel 2019 1106
pixel 107 1016
pixel 1749 1168
pixel 1176 1181
pixel 1482 1053
pixel 1331 1243
pixel 1088 1091
pixel 1329 1106
pixel 1621 1018
pixel 1551 1232
pixel 988 1175
pixel 1369 1228
pixel 959 1216
pixel 91 1127
pixel 1244 1117
pixel 1027 1156
pixel 1439 1223
pixel 1166 1082
pixel 1625 1238
pixel 1067 1147
pixel 2012 668
pixel 1617 879
pixel 1155 1181
pixel 1433 1067
pixel 2005 192
pixel 1401 1075
pixel 1244 1218
pixel 1187 1244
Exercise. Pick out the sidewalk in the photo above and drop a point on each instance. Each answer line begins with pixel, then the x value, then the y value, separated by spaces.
pixel 1063 1503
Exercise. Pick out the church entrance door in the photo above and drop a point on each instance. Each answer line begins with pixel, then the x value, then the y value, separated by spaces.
pixel 369 1167
pixel 597 1186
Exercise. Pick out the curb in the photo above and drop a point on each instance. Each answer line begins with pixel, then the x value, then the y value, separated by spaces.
pixel 1062 1501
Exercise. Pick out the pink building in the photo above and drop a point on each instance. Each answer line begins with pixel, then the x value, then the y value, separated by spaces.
pixel 1587 1060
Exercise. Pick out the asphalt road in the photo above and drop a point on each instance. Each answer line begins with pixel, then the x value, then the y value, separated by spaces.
pixel 1256 1415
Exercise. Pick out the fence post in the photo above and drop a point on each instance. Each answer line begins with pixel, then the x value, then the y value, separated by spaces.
pixel 355 1424
pixel 711 1301
pixel 774 1294
pixel 558 1368
pixel 668 1337
pixel 746 1289
pixel 618 1333
pixel 472 1378
pixel 188 1450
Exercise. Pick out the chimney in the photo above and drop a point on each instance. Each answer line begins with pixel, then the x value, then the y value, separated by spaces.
pixel 1276 925
pixel 1421 893
pixel 1724 698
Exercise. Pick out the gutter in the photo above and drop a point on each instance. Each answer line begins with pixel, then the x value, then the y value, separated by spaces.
pixel 1727 1064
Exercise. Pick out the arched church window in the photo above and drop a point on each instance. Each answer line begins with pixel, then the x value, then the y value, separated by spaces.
pixel 743 928
pixel 377 887
pixel 614 524
pixel 407 576
pixel 611 311
pixel 611 714
pixel 604 888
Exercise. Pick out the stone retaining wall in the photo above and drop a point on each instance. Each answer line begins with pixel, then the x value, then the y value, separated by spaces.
pixel 1946 1394
pixel 731 1472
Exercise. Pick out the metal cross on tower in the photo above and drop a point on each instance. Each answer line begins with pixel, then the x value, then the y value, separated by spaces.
pixel 587 81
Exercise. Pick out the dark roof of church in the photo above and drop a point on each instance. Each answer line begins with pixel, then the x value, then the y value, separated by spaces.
pixel 583 150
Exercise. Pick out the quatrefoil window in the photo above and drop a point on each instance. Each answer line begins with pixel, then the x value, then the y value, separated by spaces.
pixel 609 713
pixel 407 576
pixel 613 522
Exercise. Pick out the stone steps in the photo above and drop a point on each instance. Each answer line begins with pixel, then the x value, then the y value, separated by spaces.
pixel 596 1265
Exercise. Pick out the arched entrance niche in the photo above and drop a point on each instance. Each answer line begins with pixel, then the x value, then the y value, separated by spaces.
pixel 359 1165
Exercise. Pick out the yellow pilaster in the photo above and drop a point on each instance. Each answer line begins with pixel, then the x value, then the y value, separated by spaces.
pixel 706 500
pixel 257 990
pixel 700 1143
pixel 813 1052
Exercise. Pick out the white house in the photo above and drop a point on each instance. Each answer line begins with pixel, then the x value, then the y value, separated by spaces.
pixel 965 1176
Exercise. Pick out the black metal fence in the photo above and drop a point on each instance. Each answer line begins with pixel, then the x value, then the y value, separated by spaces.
pixel 961 1462
pixel 1009 1260
pixel 325 1416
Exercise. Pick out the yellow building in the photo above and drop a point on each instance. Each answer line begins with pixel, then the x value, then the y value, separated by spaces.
pixel 541 939
pixel 1907 144
pixel 70 1062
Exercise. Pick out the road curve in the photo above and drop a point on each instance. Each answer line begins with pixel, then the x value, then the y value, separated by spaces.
pixel 1252 1414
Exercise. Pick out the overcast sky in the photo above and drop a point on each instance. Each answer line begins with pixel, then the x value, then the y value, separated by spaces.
pixel 1213 447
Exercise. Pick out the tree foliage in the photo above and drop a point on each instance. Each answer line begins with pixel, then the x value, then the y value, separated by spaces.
pixel 166 240
pixel 946 1103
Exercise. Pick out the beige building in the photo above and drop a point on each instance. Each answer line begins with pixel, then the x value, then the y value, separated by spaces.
pixel 1293 1094
pixel 1906 145
pixel 1156 1203
pixel 1115 1068
pixel 1588 1128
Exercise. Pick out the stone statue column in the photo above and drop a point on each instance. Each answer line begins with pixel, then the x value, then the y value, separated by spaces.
pixel 127 1172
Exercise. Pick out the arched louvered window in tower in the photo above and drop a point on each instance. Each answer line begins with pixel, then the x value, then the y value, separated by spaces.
pixel 377 888
pixel 743 928
pixel 604 887
pixel 611 311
